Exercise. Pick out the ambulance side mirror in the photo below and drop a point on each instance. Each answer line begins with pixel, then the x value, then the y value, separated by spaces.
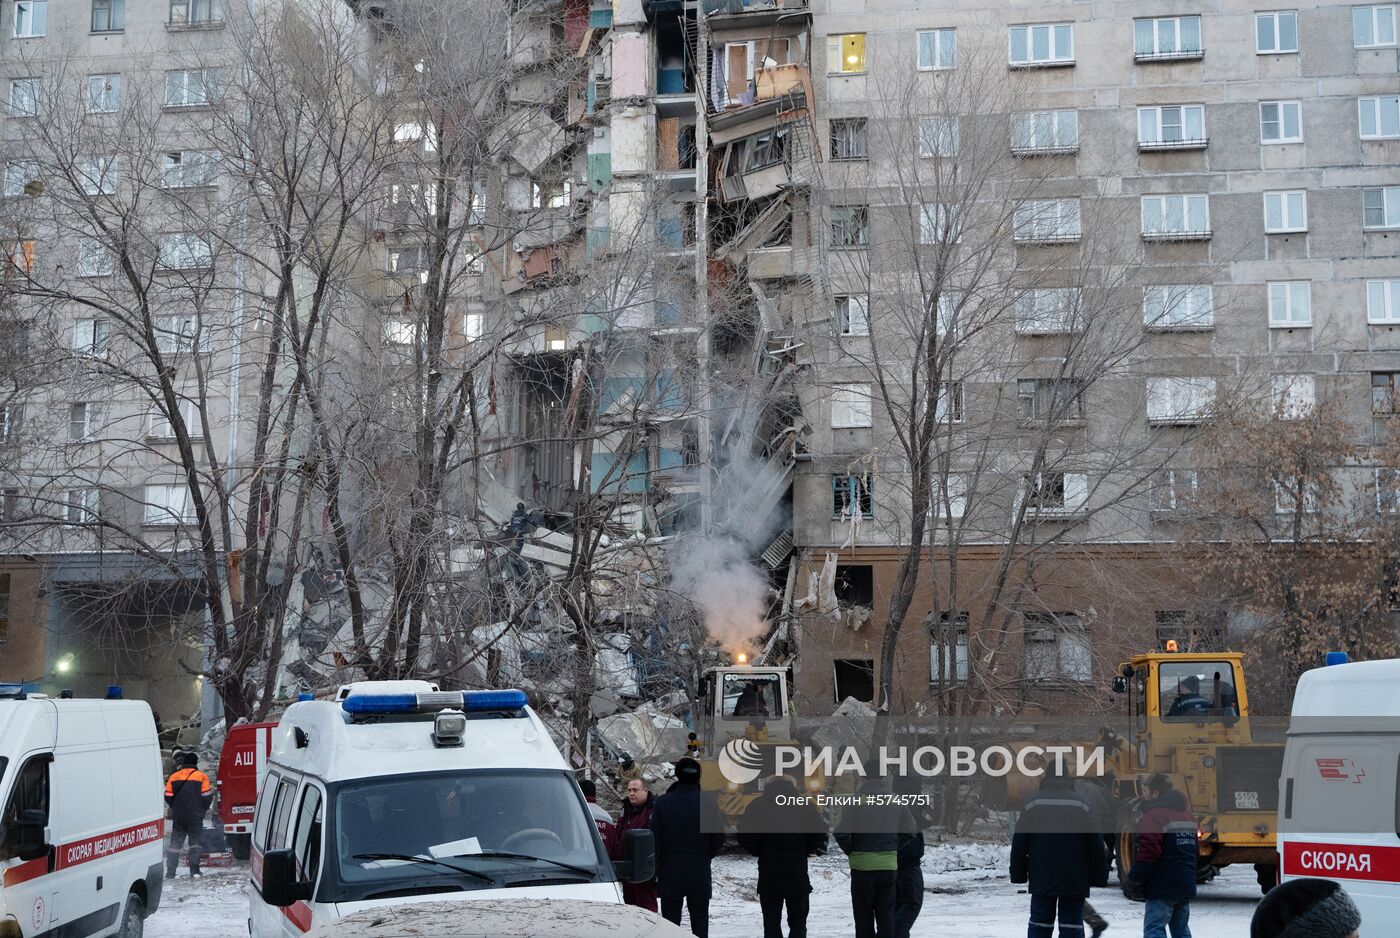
pixel 280 885
pixel 638 863
pixel 25 838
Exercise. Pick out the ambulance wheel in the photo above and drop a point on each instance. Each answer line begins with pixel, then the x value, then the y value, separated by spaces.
pixel 1267 875
pixel 133 917
pixel 239 845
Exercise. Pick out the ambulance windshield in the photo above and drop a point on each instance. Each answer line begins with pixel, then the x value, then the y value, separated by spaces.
pixel 454 816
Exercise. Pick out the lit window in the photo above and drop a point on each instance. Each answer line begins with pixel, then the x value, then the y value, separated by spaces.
pixel 1285 211
pixel 1276 33
pixel 1042 44
pixel 1380 117
pixel 1280 122
pixel 1380 207
pixel 1177 306
pixel 1044 132
pixel 845 54
pixel 1175 217
pixel 1167 37
pixel 1171 127
pixel 1290 304
pixel 1373 26
pixel 937 49
pixel 18 259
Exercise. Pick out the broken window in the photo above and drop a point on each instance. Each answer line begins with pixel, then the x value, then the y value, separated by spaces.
pixel 850 226
pixel 948 649
pixel 949 405
pixel 742 59
pixel 850 406
pixel 1385 392
pixel 855 584
pixel 1057 493
pixel 766 149
pixel 1058 648
pixel 854 677
pixel 852 315
pixel 851 494
pixel 848 138
pixel 1056 399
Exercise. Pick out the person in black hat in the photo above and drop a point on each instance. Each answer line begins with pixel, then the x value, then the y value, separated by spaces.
pixel 1306 908
pixel 689 832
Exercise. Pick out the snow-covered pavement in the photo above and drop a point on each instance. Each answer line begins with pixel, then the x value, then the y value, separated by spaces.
pixel 967 896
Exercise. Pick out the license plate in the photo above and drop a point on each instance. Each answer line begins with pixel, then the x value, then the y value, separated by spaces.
pixel 1246 800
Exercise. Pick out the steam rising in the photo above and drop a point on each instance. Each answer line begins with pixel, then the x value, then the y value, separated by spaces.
pixel 730 592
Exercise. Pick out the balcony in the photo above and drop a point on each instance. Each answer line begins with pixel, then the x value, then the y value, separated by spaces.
pixel 1179 55
pixel 733 14
pixel 1191 143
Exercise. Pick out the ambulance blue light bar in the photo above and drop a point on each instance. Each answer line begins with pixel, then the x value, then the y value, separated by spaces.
pixel 470 701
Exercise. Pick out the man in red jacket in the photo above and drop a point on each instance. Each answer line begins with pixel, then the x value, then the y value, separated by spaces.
pixel 636 815
pixel 1164 864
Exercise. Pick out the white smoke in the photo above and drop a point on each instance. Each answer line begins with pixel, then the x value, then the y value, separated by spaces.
pixel 730 592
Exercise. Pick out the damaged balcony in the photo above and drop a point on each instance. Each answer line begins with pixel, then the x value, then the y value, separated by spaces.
pixel 722 13
pixel 675 67
pixel 676 153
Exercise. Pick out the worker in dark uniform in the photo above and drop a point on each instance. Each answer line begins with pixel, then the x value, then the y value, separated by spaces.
pixel 188 795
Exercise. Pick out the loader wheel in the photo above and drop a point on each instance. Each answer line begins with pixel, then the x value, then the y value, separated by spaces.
pixel 1205 873
pixel 1123 860
pixel 133 917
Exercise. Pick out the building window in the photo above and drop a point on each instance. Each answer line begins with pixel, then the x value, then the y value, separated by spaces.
pixel 945 322
pixel 1286 496
pixel 855 584
pixel 853 678
pixel 97 175
pixel 1191 631
pixel 196 12
pixel 1047 221
pixel 192 87
pixel 1178 306
pixel 1042 44
pixel 1167 37
pixel 850 406
pixel 852 315
pixel 80 506
pixel 22 177
pixel 108 16
pixel 31 18
pixel 1385 392
pixel 1293 396
pixel 1380 207
pixel 939 224
pixel 400 331
pixel 938 137
pixel 1039 132
pixel 1383 302
pixel 90 337
pixel 24 97
pixel 18 259
pixel 1057 400
pixel 1056 494
pixel 1175 217
pixel 104 94
pixel 168 505
pixel 82 421
pixel 848 138
pixel 938 49
pixel 1179 401
pixel 948 406
pixel 1171 490
pixel 851 494
pixel 560 194
pixel 1285 211
pixel 180 334
pixel 1276 33
pixel 845 55
pixel 184 169
pixel 948 649
pixel 850 226
pixel 11 504
pixel 1373 26
pixel 1290 304
pixel 1280 122
pixel 159 427
pixel 11 415
pixel 1048 311
pixel 1058 648
pixel 1169 127
pixel 1380 117
pixel 1388 491
pixel 949 496
pixel 185 252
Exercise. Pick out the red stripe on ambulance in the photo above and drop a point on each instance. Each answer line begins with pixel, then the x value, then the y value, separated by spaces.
pixel 1342 861
pixel 86 850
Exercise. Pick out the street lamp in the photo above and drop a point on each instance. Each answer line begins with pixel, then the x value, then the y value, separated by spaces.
pixel 64 664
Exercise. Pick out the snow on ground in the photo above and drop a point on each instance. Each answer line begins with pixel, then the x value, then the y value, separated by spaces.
pixel 966 894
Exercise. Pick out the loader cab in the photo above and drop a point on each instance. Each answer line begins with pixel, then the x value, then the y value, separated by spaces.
pixel 745 701
pixel 1176 698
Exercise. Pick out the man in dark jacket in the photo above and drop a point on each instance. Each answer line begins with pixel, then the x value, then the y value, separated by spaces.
pixel 1059 850
pixel 782 834
pixel 636 815
pixel 1164 864
pixel 601 818
pixel 188 795
pixel 689 832
pixel 871 834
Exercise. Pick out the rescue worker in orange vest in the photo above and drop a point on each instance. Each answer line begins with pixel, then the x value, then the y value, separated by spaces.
pixel 188 795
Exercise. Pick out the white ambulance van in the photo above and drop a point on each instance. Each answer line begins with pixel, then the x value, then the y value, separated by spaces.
pixel 396 792
pixel 81 851
pixel 1339 805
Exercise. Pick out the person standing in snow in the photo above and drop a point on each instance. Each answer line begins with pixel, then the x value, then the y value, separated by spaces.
pixel 188 794
pixel 909 878
pixel 600 817
pixel 636 815
pixel 1164 864
pixel 689 832
pixel 1058 850
pixel 871 834
pixel 782 835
